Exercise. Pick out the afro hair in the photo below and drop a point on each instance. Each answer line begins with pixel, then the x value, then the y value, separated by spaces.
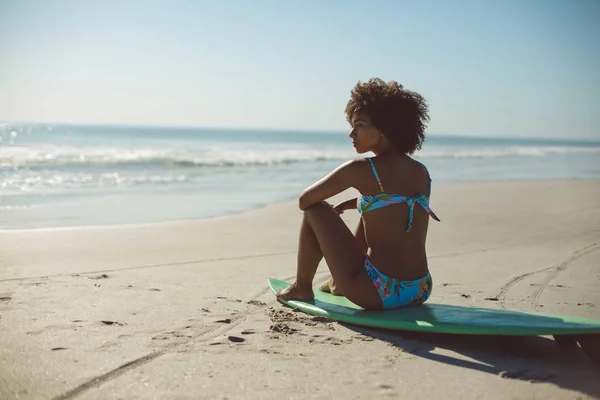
pixel 401 115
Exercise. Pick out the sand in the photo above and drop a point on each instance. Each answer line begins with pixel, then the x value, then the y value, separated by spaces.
pixel 182 310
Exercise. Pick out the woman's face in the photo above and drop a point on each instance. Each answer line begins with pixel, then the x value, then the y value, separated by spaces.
pixel 364 135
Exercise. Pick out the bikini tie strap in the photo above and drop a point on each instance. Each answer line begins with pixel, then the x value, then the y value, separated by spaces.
pixel 423 201
pixel 410 202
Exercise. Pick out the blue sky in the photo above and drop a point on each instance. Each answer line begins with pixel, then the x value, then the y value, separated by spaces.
pixel 487 68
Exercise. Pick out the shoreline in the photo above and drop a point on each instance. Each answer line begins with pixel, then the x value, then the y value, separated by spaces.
pixel 266 205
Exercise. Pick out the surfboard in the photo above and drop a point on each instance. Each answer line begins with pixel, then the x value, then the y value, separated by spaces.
pixel 445 318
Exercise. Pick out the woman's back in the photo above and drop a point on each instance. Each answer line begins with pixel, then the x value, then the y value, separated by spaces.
pixel 396 241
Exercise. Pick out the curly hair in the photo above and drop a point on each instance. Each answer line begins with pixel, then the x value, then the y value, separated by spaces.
pixel 401 115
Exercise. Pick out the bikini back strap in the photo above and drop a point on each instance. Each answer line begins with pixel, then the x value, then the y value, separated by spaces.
pixel 376 175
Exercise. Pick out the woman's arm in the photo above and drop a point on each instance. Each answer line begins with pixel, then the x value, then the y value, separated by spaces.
pixel 336 182
pixel 346 205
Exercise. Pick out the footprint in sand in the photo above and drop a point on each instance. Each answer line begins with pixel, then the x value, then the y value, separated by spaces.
pixel 112 323
pixel 256 303
pixel 269 351
pixel 280 327
pixel 363 338
pixel 103 276
pixel 336 341
pixel 228 299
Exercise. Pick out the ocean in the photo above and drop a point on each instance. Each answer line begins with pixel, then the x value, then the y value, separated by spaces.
pixel 55 176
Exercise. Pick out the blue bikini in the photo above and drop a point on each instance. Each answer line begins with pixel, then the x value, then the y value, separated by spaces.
pixel 396 293
pixel 379 200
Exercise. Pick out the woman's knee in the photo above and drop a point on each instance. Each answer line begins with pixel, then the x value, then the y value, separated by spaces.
pixel 320 207
pixel 317 206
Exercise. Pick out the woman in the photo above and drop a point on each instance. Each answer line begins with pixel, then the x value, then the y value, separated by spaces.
pixel 384 264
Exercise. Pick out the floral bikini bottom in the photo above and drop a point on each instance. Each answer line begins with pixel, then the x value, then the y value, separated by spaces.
pixel 395 293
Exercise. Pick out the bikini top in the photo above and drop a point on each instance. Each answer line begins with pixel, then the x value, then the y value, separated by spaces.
pixel 379 200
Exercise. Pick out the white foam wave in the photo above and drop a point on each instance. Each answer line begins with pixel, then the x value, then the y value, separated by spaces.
pixel 48 157
pixel 69 181
pixel 490 152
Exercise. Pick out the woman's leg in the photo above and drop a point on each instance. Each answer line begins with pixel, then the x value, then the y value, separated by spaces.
pixel 324 234
pixel 359 234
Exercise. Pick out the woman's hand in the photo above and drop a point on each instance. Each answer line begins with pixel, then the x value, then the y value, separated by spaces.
pixel 339 208
pixel 344 205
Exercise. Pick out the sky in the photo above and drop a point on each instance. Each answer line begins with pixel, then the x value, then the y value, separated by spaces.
pixel 517 68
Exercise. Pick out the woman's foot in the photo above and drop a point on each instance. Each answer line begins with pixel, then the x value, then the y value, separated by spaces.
pixel 293 292
pixel 330 287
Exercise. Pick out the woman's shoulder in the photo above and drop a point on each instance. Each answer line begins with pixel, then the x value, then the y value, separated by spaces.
pixel 409 173
pixel 420 175
pixel 355 164
pixel 419 167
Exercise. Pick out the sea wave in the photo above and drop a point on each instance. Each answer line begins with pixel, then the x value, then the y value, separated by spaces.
pixel 31 159
pixel 517 151
pixel 28 183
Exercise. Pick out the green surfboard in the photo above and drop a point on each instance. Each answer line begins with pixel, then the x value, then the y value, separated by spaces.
pixel 442 318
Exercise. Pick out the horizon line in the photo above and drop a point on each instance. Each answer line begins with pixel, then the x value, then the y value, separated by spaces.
pixel 291 130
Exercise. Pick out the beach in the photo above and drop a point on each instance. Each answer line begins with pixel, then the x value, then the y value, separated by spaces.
pixel 152 160
pixel 181 310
